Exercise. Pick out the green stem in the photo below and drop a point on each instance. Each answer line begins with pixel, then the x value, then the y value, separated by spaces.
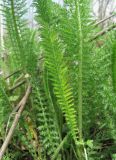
pixel 80 79
pixel 80 76
pixel 60 146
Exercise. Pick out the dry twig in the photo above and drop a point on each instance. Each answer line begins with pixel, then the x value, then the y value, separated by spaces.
pixel 12 74
pixel 17 85
pixel 104 31
pixel 22 104
pixel 103 20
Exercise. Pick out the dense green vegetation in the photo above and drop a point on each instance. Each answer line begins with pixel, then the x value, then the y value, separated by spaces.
pixel 70 112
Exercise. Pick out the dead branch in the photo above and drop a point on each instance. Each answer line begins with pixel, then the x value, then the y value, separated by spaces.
pixel 104 31
pixel 12 74
pixel 15 122
pixel 17 85
pixel 103 20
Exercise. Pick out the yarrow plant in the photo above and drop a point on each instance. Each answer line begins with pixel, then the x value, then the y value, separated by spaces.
pixel 58 83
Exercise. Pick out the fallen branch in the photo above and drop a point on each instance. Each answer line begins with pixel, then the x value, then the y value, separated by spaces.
pixel 41 58
pixel 103 20
pixel 12 74
pixel 15 122
pixel 17 85
pixel 15 109
pixel 104 31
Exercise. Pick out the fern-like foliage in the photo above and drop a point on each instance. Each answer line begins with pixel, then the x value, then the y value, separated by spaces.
pixel 68 28
pixel 57 68
pixel 13 13
pixel 99 99
pixel 96 70
pixel 114 65
pixel 48 131
pixel 74 88
pixel 21 38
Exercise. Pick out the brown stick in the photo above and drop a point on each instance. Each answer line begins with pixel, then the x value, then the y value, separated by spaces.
pixel 103 20
pixel 101 33
pixel 17 85
pixel 15 122
pixel 12 74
